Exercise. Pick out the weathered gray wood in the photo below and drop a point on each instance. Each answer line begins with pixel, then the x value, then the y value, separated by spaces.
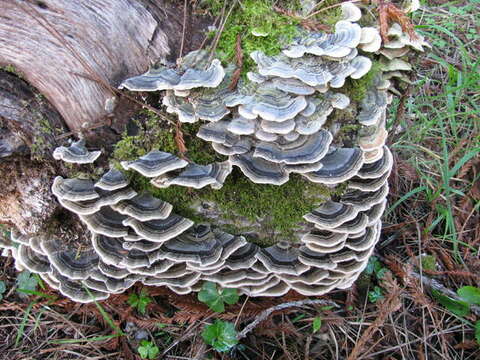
pixel 27 121
pixel 61 46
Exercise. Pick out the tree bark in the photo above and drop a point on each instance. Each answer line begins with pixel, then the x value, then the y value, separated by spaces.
pixel 72 54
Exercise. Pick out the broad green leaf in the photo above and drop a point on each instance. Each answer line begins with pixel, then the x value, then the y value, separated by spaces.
pixel 477 331
pixel 217 305
pixel 143 351
pixel 230 296
pixel 317 324
pixel 457 307
pixel 209 293
pixel 148 350
pixel 221 335
pixel 215 298
pixel 470 294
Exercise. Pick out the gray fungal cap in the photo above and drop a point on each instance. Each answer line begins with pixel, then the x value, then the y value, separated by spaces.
pixel 276 123
pixel 155 163
pixel 112 180
pixel 76 153
pixel 215 132
pixel 241 126
pixel 75 290
pixel 339 165
pixel 76 265
pixel 144 207
pixel 92 206
pixel 283 127
pixel 32 260
pixel 210 78
pixel 377 168
pixel 331 214
pixel 106 221
pixel 304 150
pixel 198 176
pixel 159 230
pixel 337 45
pixel 260 171
pixel 74 189
pixel 281 258
pixel 274 110
pixel 153 80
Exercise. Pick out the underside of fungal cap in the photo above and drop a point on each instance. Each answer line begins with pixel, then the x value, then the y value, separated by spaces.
pixel 155 163
pixel 76 153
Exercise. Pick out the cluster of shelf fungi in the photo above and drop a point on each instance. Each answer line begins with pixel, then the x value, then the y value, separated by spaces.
pixel 275 123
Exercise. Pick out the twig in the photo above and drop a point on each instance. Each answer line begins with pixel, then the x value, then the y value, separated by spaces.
pixel 264 315
pixel 330 7
pixel 183 29
pixel 238 70
pixel 434 284
pixel 220 31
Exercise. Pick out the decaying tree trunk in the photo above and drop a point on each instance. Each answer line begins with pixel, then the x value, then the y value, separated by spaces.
pixel 72 54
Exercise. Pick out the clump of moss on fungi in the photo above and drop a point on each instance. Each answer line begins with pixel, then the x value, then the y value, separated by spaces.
pixel 356 89
pixel 281 208
pixel 257 16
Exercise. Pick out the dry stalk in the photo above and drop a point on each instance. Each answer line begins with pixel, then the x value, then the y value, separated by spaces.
pixel 265 314
pixel 390 304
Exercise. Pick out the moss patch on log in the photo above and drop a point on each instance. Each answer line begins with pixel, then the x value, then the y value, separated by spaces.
pixel 279 208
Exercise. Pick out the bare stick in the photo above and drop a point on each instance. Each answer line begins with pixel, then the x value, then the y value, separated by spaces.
pixel 183 29
pixel 262 316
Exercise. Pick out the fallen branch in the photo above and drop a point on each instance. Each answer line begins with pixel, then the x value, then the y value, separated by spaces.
pixel 265 314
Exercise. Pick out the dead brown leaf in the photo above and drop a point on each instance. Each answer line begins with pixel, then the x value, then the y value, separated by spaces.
pixel 388 13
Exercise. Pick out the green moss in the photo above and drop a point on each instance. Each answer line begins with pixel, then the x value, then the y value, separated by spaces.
pixel 279 209
pixel 356 89
pixel 259 16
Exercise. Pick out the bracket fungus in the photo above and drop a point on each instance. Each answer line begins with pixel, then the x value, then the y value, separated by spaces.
pixel 285 118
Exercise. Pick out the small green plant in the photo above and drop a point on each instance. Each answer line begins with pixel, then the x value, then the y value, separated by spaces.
pixel 221 335
pixel 215 298
pixel 139 301
pixel 3 288
pixel 375 294
pixel 148 350
pixel 470 295
pixel 374 266
pixel 316 324
pixel 27 281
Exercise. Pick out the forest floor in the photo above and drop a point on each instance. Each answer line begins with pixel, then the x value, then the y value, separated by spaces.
pixel 404 306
